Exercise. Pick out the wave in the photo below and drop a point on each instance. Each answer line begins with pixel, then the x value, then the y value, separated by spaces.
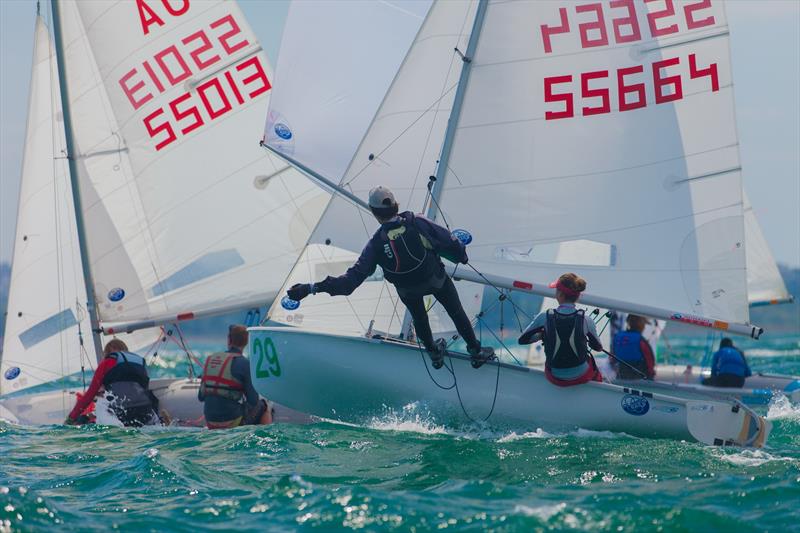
pixel 750 457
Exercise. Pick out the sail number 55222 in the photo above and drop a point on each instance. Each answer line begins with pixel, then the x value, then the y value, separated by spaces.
pixel 631 84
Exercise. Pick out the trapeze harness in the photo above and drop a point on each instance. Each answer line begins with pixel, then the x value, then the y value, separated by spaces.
pixel 218 380
pixel 128 385
pixel 628 348
pixel 408 259
pixel 566 350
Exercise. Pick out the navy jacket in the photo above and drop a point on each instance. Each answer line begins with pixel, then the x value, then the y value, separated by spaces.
pixel 443 244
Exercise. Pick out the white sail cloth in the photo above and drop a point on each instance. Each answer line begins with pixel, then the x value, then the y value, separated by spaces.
pixel 330 86
pixel 47 297
pixel 399 150
pixel 764 281
pixel 184 212
pixel 545 153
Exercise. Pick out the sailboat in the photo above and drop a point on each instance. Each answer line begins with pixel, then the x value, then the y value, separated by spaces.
pixel 144 201
pixel 765 286
pixel 537 128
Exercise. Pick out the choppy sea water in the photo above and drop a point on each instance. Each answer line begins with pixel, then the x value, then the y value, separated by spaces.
pixel 402 472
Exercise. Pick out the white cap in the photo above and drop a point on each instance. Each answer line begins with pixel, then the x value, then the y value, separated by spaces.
pixel 381 197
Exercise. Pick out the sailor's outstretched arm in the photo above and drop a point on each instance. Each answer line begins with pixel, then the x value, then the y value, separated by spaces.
pixel 350 280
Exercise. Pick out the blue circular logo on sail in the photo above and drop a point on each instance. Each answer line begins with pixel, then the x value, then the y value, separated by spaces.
pixel 12 373
pixel 463 235
pixel 289 304
pixel 635 405
pixel 116 294
pixel 283 131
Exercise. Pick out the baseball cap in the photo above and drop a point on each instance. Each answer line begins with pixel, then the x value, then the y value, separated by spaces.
pixel 381 197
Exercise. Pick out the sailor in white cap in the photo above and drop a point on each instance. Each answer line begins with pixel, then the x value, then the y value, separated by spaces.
pixel 409 249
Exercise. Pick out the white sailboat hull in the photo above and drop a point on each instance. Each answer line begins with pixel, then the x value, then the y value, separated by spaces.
pixel 355 379
pixel 178 397
pixel 758 389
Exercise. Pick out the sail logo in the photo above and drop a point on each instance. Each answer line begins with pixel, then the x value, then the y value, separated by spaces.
pixel 289 304
pixel 463 236
pixel 12 373
pixel 116 294
pixel 283 131
pixel 697 321
pixel 635 405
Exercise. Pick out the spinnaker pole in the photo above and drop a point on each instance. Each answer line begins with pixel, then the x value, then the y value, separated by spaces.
pixel 72 154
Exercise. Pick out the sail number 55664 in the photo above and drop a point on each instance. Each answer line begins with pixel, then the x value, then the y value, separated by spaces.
pixel 595 91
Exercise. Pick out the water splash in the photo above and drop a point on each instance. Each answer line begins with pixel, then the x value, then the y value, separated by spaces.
pixel 782 408
pixel 104 414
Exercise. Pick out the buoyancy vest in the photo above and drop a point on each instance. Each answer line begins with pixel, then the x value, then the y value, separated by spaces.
pixel 128 381
pixel 218 379
pixel 731 361
pixel 565 344
pixel 406 256
pixel 628 346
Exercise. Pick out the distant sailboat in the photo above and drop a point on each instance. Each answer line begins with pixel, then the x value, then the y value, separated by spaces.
pixel 180 213
pixel 489 99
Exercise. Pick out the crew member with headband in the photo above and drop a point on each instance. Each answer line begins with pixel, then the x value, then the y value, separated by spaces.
pixel 567 334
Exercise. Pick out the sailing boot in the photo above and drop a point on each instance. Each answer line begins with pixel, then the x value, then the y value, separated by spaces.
pixel 437 353
pixel 480 354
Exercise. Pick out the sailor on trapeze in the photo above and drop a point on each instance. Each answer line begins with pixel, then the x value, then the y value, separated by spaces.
pixel 408 248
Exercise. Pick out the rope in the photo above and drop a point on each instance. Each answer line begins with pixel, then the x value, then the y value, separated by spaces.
pixel 451 369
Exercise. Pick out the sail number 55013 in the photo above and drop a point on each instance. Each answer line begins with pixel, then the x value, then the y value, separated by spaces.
pixel 631 89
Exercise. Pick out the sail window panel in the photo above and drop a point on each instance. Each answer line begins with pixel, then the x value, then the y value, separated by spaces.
pixel 210 264
pixel 575 252
pixel 47 328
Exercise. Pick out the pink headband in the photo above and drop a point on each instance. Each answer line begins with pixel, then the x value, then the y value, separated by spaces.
pixel 563 288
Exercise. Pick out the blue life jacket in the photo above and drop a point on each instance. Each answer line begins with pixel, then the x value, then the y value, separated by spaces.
pixel 627 346
pixel 730 361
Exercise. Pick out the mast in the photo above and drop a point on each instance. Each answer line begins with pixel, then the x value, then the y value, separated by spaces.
pixel 452 123
pixel 455 113
pixel 73 176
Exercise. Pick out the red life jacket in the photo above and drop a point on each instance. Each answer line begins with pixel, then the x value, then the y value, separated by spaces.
pixel 218 380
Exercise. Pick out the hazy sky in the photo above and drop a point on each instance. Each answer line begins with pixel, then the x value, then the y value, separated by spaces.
pixel 765 42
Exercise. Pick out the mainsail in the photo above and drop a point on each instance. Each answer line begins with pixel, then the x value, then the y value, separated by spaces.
pixel 624 137
pixel 185 214
pixel 612 126
pixel 46 304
